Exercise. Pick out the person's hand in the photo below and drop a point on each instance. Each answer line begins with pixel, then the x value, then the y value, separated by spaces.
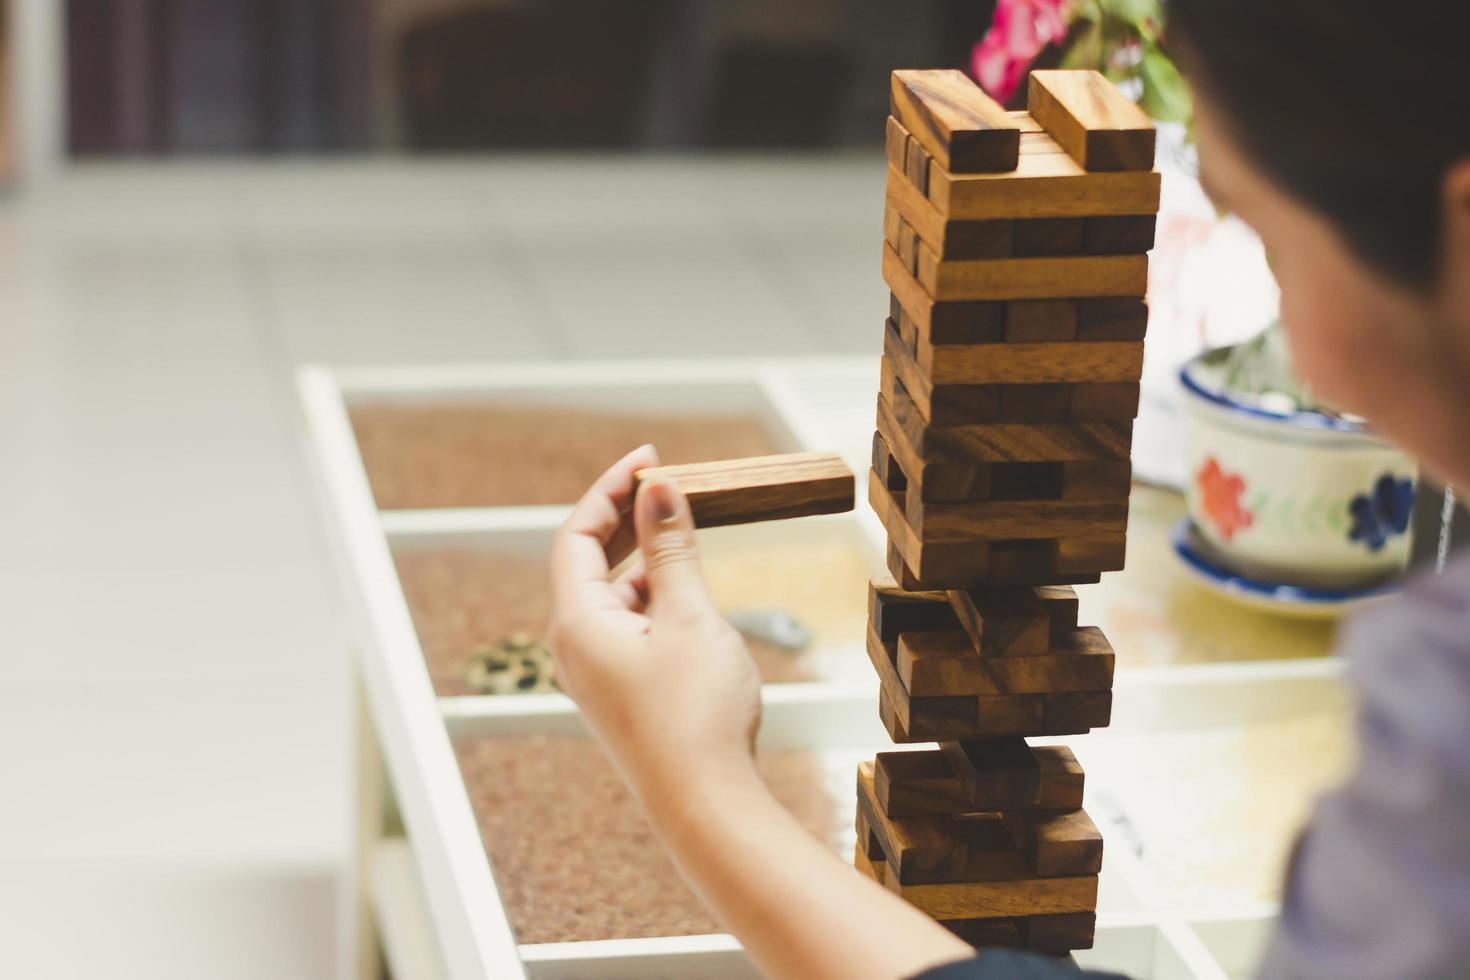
pixel 662 679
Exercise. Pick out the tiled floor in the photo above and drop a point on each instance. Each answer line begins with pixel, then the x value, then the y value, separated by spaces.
pixel 173 734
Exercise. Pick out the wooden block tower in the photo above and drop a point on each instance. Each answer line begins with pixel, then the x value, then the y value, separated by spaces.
pixel 1016 258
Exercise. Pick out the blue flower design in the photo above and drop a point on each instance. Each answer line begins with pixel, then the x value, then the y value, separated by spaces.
pixel 1381 513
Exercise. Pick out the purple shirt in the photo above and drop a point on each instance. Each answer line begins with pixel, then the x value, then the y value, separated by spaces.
pixel 1379 885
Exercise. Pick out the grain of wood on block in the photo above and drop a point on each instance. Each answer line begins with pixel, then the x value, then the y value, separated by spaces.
pixel 1060 602
pixel 1000 570
pixel 916 848
pixel 942 323
pixel 1002 899
pixel 925 448
pixel 913 784
pixel 1047 183
pixel 1112 318
pixel 1034 321
pixel 895 143
pixel 945 664
pixel 1089 118
pixel 1038 278
pixel 916 165
pixel 962 128
pixel 1085 555
pixel 935 849
pixel 1010 520
pixel 761 488
pixel 1003 622
pixel 1030 364
pixel 1058 844
pixel 1034 237
pixel 947 239
pixel 924 718
pixel 1076 712
pixel 1062 778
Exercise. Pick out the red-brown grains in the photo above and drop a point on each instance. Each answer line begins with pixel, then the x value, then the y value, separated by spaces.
pixel 477 454
pixel 574 857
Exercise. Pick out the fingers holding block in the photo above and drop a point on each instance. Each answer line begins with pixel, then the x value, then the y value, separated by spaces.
pixel 761 488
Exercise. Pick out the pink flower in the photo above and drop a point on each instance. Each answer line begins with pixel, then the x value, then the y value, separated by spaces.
pixel 1020 30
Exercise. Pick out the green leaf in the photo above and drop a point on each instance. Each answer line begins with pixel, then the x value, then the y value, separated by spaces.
pixel 1165 96
pixel 1086 50
pixel 1133 11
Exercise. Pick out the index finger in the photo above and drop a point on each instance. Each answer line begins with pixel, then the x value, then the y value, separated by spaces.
pixel 579 551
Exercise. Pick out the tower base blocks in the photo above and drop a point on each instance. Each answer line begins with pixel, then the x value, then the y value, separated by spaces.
pixel 1016 258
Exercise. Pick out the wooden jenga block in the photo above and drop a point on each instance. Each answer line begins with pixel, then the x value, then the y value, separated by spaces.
pixel 1008 563
pixel 1112 318
pixel 1038 278
pixel 930 850
pixel 926 452
pixel 1001 899
pixel 892 610
pixel 1062 778
pixel 1060 602
pixel 1036 321
pixel 944 663
pixel 1095 123
pixel 913 784
pixel 1127 234
pixel 942 323
pixel 1030 364
pixel 895 143
pixel 866 866
pixel 908 247
pixel 892 223
pixel 1104 400
pixel 916 165
pixel 1034 237
pixel 986 775
pixel 1090 479
pixel 914 848
pixel 1045 184
pixel 1008 520
pixel 946 405
pixel 991 239
pixel 885 467
pixel 997 774
pixel 1055 935
pixel 1076 712
pixel 1088 554
pixel 868 840
pixel 761 488
pixel 926 718
pixel 1003 622
pixel 1057 844
pixel 961 127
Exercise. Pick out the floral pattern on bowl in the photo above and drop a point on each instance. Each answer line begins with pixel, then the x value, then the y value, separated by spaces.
pixel 1382 513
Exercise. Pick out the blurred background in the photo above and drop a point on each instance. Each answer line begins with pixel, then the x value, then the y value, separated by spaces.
pixel 197 197
pixel 200 195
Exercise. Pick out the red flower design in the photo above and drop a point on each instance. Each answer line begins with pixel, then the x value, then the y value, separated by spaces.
pixel 1221 494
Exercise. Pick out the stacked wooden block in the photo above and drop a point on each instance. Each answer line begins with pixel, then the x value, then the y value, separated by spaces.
pixel 1015 255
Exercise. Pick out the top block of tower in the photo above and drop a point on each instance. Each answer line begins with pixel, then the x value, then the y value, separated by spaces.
pixel 962 128
pixel 1090 119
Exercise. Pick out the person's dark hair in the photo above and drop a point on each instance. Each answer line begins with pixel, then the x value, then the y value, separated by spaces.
pixel 1356 108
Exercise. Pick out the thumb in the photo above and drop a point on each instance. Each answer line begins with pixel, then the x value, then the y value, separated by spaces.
pixel 665 528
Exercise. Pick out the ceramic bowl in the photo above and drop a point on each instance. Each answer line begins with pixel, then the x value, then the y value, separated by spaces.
pixel 1297 497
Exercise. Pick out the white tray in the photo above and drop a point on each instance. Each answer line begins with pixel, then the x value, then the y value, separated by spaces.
pixel 425 893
